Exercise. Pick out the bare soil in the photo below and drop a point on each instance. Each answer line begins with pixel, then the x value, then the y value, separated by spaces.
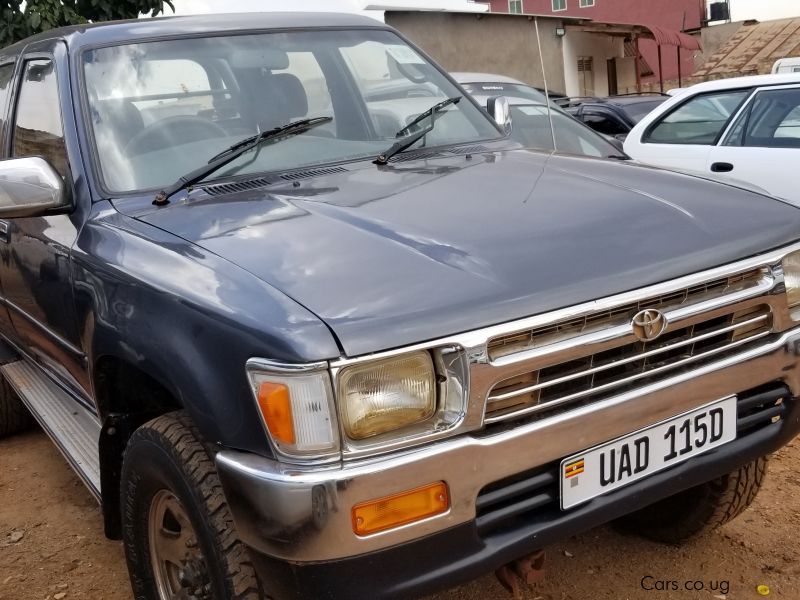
pixel 52 545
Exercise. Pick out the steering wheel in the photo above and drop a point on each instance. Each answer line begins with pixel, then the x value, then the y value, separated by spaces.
pixel 173 131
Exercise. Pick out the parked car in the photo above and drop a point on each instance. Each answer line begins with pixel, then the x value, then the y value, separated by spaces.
pixel 744 128
pixel 491 84
pixel 613 116
pixel 294 356
pixel 530 122
pixel 787 65
pixel 531 128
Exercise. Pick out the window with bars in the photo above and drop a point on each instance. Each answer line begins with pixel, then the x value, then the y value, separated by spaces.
pixel 559 5
pixel 515 7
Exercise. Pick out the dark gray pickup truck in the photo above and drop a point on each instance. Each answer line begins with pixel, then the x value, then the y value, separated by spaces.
pixel 309 325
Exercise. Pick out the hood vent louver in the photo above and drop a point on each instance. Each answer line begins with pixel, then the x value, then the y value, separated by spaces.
pixel 423 155
pixel 477 149
pixel 312 173
pixel 236 186
pixel 417 156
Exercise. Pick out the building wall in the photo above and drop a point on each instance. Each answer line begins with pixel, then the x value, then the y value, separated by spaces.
pixel 493 43
pixel 577 45
pixel 713 38
pixel 672 14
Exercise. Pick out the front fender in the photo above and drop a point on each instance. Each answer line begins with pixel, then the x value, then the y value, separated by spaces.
pixel 189 319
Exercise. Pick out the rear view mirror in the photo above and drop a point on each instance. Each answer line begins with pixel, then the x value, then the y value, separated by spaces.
pixel 498 108
pixel 30 187
pixel 617 143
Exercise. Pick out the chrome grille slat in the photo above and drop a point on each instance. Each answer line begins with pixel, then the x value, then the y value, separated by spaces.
pixel 732 288
pixel 618 383
pixel 637 357
pixel 600 364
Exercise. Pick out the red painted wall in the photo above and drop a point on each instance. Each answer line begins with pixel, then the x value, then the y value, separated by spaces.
pixel 664 13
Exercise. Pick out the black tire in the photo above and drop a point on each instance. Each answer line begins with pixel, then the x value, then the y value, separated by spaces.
pixel 690 513
pixel 167 456
pixel 14 416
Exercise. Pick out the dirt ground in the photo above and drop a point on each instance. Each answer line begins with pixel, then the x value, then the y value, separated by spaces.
pixel 52 545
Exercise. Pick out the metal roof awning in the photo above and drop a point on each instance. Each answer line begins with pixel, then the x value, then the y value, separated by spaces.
pixel 661 35
pixel 672 37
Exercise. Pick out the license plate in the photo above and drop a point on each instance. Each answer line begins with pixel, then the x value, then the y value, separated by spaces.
pixel 620 462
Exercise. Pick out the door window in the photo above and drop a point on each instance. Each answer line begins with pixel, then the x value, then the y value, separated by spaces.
pixel 604 123
pixel 771 121
pixel 6 73
pixel 38 129
pixel 697 121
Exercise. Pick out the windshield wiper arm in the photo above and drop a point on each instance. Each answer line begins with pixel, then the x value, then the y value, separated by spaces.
pixel 428 113
pixel 235 151
pixel 409 141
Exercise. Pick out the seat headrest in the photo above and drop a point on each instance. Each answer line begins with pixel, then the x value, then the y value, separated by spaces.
pixel 122 117
pixel 292 93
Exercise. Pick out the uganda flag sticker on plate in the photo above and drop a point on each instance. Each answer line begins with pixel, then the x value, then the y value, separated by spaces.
pixel 573 468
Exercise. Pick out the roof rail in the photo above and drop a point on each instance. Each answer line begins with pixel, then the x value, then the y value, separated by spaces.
pixel 639 94
pixel 573 101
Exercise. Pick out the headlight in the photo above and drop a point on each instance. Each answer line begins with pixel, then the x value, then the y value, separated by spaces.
pixel 791 279
pixel 386 395
pixel 296 408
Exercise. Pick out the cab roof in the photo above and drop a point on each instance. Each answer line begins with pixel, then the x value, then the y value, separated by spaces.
pixel 135 30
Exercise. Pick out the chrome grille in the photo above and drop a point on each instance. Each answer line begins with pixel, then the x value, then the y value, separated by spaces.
pixel 505 345
pixel 598 375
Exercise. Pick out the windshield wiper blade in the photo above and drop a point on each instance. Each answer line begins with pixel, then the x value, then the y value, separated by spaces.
pixel 407 142
pixel 233 152
pixel 428 113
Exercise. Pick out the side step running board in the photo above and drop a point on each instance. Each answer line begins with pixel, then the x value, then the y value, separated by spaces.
pixel 74 430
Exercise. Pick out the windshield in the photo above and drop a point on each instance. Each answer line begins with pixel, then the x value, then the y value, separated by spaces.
pixel 162 109
pixel 638 110
pixel 530 126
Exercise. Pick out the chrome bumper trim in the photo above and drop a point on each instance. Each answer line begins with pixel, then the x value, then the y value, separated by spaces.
pixel 304 514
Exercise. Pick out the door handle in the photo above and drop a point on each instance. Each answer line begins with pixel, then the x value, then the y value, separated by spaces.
pixel 721 167
pixel 5 228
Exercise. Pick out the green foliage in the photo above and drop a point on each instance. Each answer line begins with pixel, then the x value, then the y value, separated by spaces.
pixel 19 22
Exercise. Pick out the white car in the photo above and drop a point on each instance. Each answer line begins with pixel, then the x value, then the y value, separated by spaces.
pixel 742 129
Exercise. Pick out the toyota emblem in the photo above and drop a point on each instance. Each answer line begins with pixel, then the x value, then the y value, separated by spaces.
pixel 648 324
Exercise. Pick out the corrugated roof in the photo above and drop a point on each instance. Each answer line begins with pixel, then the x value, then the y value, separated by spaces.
pixel 671 37
pixel 753 49
pixel 662 35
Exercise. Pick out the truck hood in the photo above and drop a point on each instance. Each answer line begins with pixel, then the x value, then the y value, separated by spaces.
pixel 388 256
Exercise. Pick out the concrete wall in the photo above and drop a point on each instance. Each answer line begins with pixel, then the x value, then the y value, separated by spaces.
pixel 713 38
pixel 493 43
pixel 600 48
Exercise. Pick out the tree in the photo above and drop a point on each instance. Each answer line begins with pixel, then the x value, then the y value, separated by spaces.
pixel 20 21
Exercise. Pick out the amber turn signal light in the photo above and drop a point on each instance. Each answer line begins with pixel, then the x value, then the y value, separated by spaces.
pixel 400 509
pixel 276 408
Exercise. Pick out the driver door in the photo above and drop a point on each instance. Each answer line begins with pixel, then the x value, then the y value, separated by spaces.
pixel 36 264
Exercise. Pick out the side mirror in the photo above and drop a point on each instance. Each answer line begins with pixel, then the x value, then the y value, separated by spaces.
pixel 30 187
pixel 616 142
pixel 498 109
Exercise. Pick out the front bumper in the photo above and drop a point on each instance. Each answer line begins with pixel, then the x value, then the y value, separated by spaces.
pixel 463 552
pixel 303 515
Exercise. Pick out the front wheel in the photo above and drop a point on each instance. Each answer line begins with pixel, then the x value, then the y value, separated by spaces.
pixel 179 536
pixel 690 513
